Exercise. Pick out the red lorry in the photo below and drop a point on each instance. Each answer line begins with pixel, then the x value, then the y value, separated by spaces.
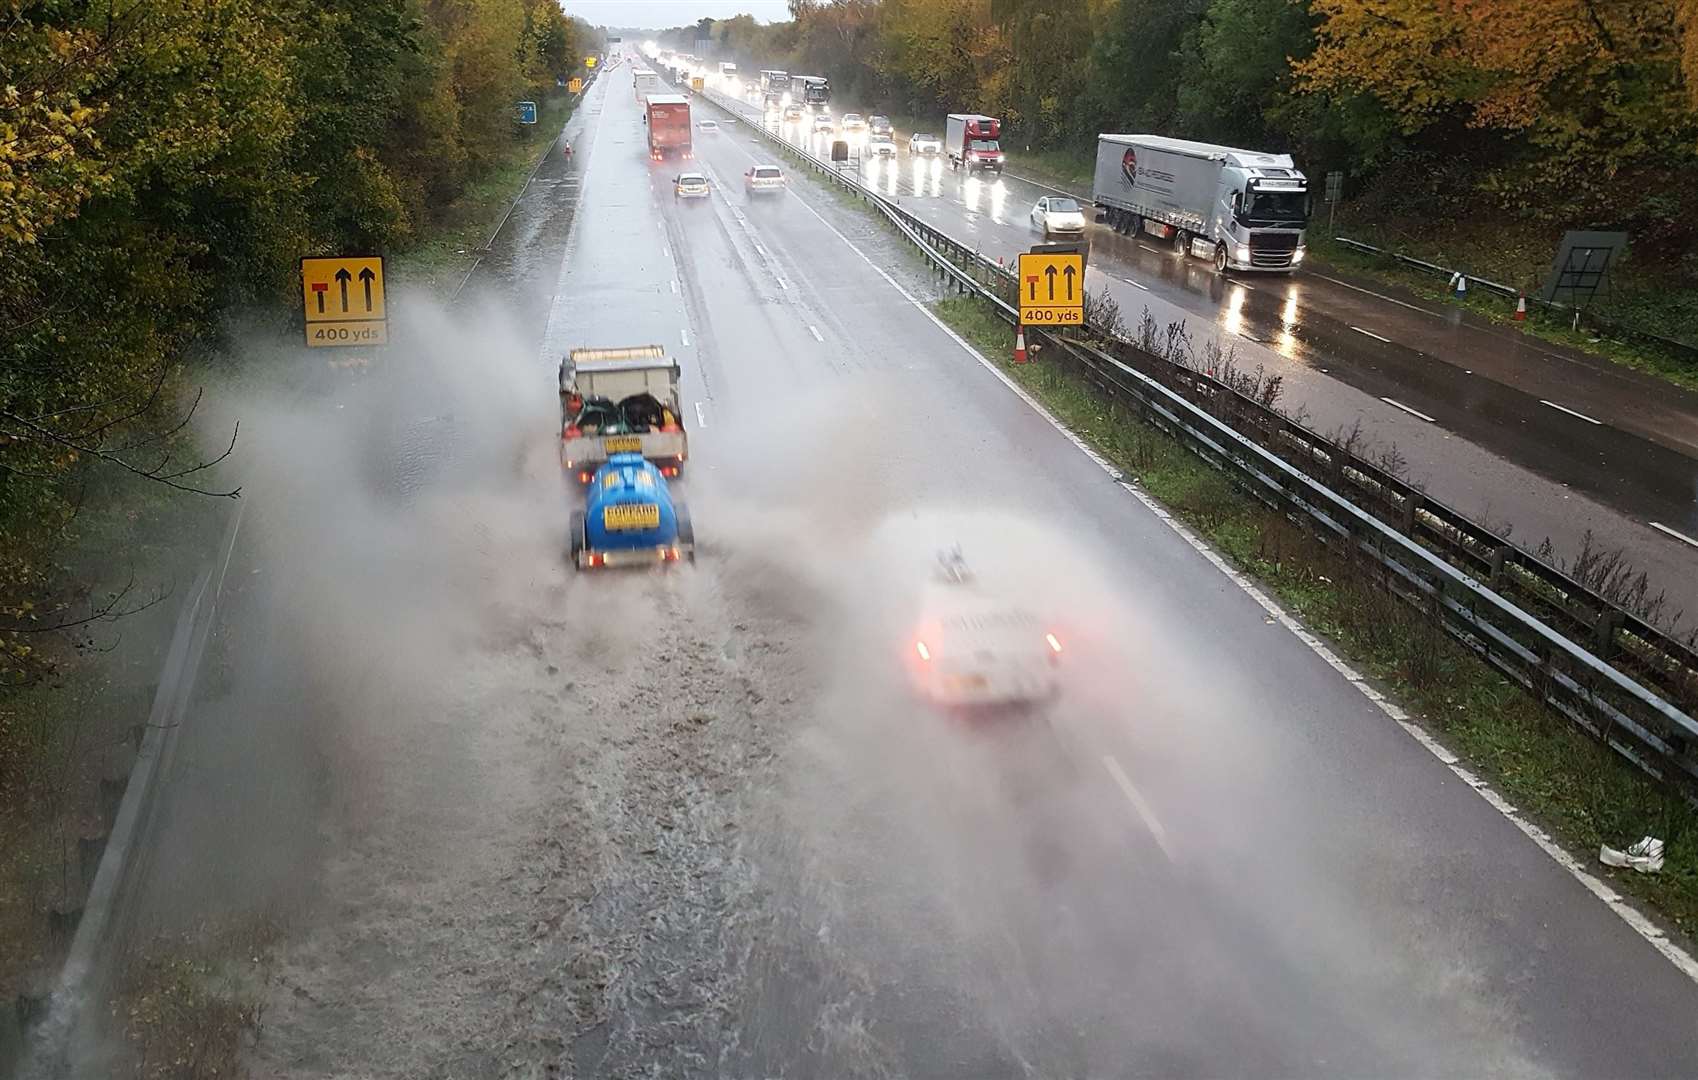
pixel 669 126
pixel 971 141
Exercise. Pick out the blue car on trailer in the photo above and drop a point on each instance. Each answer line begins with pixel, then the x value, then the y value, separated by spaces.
pixel 630 519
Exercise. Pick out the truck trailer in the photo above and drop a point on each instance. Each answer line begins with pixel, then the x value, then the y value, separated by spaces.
pixel 669 126
pixel 646 81
pixel 621 401
pixel 970 140
pixel 1244 209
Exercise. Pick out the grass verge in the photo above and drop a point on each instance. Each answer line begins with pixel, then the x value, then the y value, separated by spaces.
pixel 448 246
pixel 1580 791
pixel 1549 326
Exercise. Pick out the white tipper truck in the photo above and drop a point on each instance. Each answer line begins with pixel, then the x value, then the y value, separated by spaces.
pixel 1244 209
pixel 618 401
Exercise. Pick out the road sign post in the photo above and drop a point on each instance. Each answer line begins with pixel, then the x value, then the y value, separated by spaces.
pixel 342 298
pixel 1335 191
pixel 1052 289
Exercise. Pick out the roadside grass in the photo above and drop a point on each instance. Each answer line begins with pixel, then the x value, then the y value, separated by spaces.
pixel 1660 306
pixel 1582 793
pixel 187 1003
pixel 448 246
pixel 60 738
pixel 1071 169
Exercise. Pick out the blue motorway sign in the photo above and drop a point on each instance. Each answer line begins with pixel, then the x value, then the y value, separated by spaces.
pixel 527 112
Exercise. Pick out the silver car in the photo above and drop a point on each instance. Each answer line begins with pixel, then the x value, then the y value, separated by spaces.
pixel 924 142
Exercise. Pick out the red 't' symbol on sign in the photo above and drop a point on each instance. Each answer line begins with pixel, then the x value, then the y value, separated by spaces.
pixel 320 287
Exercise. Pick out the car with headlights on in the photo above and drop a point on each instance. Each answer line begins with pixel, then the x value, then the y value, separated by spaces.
pixel 924 142
pixel 881 146
pixel 823 123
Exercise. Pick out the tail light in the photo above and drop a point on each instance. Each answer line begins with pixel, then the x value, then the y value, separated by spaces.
pixel 669 554
pixel 920 647
pixel 572 431
pixel 595 560
pixel 583 476
pixel 670 470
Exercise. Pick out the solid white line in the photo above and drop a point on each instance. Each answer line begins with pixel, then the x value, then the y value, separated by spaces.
pixel 1135 284
pixel 814 331
pixel 665 252
pixel 1138 804
pixel 701 417
pixel 1380 296
pixel 1660 527
pixel 1623 909
pixel 684 335
pixel 1371 334
pixel 1412 412
pixel 1571 412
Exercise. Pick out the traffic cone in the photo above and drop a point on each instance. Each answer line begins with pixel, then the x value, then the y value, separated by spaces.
pixel 1521 308
pixel 1019 344
pixel 1462 286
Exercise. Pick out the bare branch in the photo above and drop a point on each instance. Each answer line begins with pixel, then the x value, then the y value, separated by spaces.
pixel 156 474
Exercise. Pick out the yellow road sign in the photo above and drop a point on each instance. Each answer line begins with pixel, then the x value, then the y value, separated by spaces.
pixel 1052 289
pixel 589 61
pixel 342 299
pixel 575 86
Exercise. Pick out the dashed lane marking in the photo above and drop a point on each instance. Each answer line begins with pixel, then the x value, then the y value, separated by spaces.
pixel 1394 403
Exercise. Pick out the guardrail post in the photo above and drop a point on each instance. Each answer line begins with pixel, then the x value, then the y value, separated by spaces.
pixel 1411 505
pixel 1603 633
pixel 1498 556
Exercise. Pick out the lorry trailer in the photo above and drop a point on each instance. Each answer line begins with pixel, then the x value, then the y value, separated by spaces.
pixel 1244 209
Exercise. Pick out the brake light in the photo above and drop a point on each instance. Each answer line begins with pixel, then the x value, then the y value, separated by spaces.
pixel 1054 643
pixel 572 431
pixel 669 555
pixel 584 476
pixel 596 560
pixel 670 470
pixel 920 647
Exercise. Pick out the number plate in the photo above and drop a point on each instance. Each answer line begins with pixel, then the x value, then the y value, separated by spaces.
pixel 627 516
pixel 624 444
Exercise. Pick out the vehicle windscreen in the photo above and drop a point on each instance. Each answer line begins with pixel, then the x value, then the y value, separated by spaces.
pixel 1277 206
pixel 768 174
pixel 983 144
pixel 925 136
pixel 1063 206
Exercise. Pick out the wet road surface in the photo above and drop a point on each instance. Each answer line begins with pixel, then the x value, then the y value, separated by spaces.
pixel 527 823
pixel 1498 424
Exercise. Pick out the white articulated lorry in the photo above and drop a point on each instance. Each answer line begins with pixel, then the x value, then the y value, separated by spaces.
pixel 1243 209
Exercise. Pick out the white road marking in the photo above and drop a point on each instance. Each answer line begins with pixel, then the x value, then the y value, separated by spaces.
pixel 1138 804
pixel 1371 334
pixel 1623 909
pixel 1660 527
pixel 701 417
pixel 815 331
pixel 1412 412
pixel 684 335
pixel 674 285
pixel 762 250
pixel 665 252
pixel 1380 296
pixel 1151 250
pixel 1571 412
pixel 1135 284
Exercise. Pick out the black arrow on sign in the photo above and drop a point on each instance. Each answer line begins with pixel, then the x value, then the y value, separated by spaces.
pixel 366 277
pixel 1069 272
pixel 1049 272
pixel 342 279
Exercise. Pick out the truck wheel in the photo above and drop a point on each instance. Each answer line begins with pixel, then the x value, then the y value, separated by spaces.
pixel 1220 258
pixel 686 531
pixel 1134 225
pixel 1181 241
pixel 575 532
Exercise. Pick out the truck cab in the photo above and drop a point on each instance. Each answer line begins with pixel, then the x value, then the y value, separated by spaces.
pixel 972 142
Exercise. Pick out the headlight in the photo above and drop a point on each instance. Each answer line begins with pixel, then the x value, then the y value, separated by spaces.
pixel 1241 253
pixel 1297 256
